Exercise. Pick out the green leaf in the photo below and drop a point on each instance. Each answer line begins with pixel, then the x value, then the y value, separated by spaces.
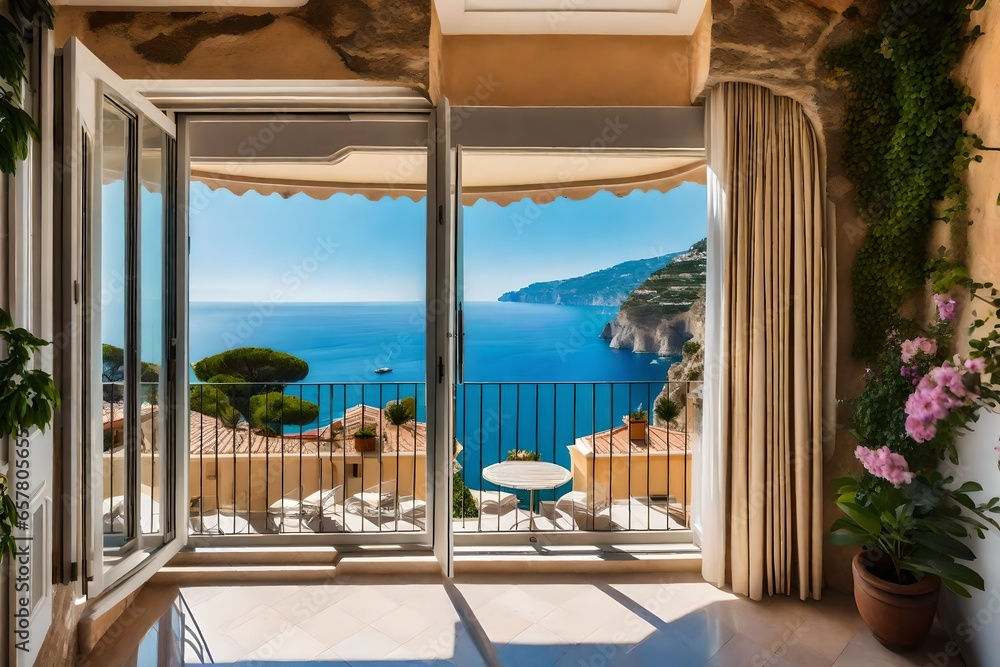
pixel 862 516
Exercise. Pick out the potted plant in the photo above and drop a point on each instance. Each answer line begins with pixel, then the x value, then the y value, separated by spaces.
pixel 911 521
pixel 523 455
pixel 637 420
pixel 366 439
pixel 27 399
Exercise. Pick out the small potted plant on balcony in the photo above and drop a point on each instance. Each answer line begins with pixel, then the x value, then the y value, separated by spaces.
pixel 366 439
pixel 637 420
pixel 523 455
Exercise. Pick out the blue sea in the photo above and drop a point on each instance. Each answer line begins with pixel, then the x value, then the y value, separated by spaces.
pixel 536 376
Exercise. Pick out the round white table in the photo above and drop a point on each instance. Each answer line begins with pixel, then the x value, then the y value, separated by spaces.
pixel 527 476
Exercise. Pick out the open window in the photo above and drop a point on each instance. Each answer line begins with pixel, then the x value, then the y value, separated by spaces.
pixel 124 374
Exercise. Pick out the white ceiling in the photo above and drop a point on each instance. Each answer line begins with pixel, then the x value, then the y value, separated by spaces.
pixel 569 17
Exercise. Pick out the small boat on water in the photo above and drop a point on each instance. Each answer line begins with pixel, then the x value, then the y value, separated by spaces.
pixel 385 369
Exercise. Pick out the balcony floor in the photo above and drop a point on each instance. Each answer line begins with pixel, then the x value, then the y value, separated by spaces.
pixel 565 621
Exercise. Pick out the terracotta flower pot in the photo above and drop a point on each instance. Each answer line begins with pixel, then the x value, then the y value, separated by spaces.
pixel 637 429
pixel 362 445
pixel 900 616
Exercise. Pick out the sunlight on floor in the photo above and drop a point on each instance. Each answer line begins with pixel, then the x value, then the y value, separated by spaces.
pixel 566 621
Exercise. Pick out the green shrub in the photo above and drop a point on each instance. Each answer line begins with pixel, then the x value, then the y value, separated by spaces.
pixel 666 410
pixel 463 505
pixel 367 431
pixel 398 413
pixel 274 409
pixel 691 347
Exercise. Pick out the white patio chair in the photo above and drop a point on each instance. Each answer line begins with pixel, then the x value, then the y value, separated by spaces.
pixel 324 503
pixel 374 502
pixel 412 510
pixel 287 508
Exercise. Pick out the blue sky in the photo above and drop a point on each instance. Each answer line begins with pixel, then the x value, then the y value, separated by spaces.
pixel 348 248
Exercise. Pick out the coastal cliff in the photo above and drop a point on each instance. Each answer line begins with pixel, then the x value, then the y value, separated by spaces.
pixel 607 287
pixel 659 316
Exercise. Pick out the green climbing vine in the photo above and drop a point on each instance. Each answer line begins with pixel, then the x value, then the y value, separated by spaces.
pixel 905 147
pixel 17 128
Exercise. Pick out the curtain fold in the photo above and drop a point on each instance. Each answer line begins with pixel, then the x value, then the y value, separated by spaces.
pixel 760 481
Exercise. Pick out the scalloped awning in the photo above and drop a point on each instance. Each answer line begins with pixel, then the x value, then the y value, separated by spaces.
pixel 501 177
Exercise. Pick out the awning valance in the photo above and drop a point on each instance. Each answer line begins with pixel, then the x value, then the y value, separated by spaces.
pixel 501 177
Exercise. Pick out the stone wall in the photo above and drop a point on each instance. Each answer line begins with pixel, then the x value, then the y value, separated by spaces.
pixel 777 43
pixel 375 40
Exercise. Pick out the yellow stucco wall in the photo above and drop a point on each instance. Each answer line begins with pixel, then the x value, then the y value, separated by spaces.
pixel 567 70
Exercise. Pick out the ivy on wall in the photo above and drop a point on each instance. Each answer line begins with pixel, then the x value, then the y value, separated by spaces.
pixel 905 148
pixel 17 128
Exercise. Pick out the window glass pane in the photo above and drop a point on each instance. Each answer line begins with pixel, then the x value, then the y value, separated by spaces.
pixel 151 327
pixel 113 276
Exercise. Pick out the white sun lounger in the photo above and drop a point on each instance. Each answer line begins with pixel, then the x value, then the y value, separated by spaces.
pixel 494 502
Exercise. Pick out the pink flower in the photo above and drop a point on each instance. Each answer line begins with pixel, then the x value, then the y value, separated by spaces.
pixel 946 306
pixel 976 365
pixel 938 393
pixel 910 348
pixel 885 464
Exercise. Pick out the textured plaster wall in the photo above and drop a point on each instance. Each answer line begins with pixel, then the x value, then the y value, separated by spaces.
pixel 566 70
pixel 974 624
pixel 376 40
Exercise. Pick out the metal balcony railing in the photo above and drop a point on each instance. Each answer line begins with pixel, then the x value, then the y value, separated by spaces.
pixel 263 465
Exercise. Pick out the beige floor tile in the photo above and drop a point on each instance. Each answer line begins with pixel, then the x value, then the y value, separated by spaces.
pixel 740 651
pixel 856 656
pixel 624 628
pixel 527 601
pixel 224 649
pixel 403 623
pixel 794 654
pixel 918 656
pixel 331 625
pixel 365 645
pixel 367 604
pixel 293 643
pixel 434 643
pixel 259 629
pixel 195 595
pixel 309 600
pixel 535 647
pixel 572 626
pixel 500 622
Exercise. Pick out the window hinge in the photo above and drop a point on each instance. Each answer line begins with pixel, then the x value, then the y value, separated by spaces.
pixel 76 291
pixel 440 214
pixel 440 370
pixel 74 571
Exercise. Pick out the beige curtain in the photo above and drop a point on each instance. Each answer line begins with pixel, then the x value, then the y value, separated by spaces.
pixel 764 394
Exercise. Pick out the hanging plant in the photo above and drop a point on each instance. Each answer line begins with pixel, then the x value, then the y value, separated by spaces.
pixel 905 147
pixel 17 128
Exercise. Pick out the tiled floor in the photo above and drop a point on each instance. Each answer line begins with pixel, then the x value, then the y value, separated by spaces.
pixel 570 621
